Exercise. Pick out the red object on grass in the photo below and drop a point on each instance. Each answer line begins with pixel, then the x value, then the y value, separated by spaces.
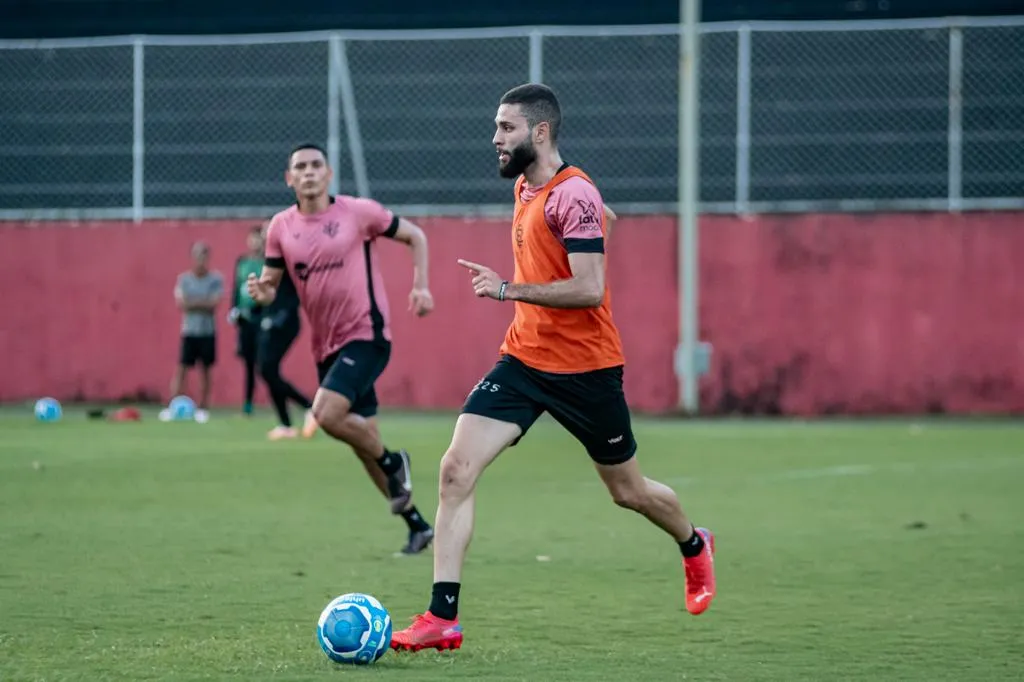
pixel 126 414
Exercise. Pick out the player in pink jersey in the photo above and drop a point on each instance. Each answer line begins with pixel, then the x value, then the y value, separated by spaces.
pixel 327 243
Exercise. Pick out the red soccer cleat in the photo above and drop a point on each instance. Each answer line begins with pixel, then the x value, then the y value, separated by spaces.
pixel 700 575
pixel 428 632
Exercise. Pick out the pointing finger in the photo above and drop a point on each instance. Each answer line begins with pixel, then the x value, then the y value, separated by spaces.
pixel 472 266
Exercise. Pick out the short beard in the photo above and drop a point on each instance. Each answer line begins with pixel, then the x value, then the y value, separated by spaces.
pixel 519 159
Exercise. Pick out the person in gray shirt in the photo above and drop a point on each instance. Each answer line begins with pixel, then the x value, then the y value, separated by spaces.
pixel 197 293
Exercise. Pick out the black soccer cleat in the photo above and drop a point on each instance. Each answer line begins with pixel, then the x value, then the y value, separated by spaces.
pixel 419 540
pixel 400 485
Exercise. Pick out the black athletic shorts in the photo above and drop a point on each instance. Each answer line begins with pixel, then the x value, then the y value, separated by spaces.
pixel 589 405
pixel 198 349
pixel 352 371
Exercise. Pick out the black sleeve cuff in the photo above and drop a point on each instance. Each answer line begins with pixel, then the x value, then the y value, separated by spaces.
pixel 274 262
pixel 591 245
pixel 392 228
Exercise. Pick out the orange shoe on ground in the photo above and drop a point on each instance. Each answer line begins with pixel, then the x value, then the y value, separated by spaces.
pixel 700 575
pixel 428 632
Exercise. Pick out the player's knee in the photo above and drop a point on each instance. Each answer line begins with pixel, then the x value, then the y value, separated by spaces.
pixel 330 410
pixel 629 497
pixel 457 477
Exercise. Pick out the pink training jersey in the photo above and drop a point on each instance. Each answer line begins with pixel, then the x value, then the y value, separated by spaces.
pixel 568 203
pixel 331 259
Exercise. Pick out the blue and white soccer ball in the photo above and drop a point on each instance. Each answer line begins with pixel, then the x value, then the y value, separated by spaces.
pixel 182 408
pixel 354 628
pixel 48 410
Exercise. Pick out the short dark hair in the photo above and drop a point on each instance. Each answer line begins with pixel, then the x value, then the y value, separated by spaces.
pixel 539 103
pixel 306 145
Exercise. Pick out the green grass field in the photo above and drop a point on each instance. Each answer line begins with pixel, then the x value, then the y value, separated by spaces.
pixel 847 551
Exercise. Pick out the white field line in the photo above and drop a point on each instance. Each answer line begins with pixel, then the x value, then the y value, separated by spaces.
pixel 847 470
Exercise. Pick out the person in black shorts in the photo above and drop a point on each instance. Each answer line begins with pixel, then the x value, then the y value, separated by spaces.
pixel 328 246
pixel 562 354
pixel 197 293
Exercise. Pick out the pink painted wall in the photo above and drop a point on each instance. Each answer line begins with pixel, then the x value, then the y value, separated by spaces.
pixel 810 314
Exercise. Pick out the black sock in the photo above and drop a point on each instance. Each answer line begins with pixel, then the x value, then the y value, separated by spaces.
pixel 693 546
pixel 444 602
pixel 389 462
pixel 415 520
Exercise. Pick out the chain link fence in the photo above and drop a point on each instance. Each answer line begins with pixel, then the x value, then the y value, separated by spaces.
pixel 66 128
pixel 849 115
pixel 220 120
pixel 425 109
pixel 993 112
pixel 621 111
pixel 808 116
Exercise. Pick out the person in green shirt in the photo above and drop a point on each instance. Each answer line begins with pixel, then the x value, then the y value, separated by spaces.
pixel 245 313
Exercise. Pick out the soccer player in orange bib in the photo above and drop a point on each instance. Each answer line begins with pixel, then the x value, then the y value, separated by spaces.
pixel 562 355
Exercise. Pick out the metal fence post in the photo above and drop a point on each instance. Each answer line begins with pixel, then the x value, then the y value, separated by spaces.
pixel 138 128
pixel 689 198
pixel 333 110
pixel 743 118
pixel 956 102
pixel 536 56
pixel 348 105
